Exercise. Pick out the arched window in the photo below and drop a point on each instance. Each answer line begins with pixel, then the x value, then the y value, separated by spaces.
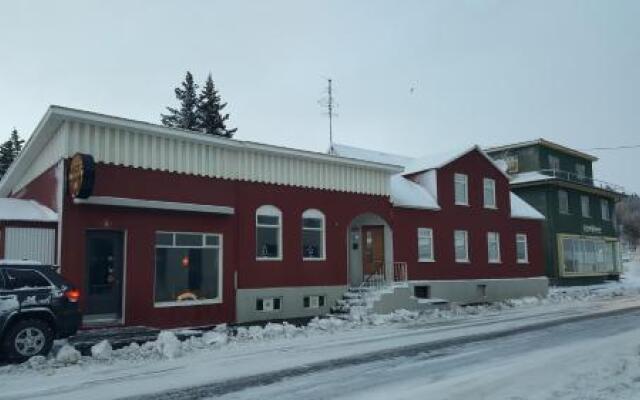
pixel 268 233
pixel 313 235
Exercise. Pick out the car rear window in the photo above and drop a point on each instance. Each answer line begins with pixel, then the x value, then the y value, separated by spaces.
pixel 25 279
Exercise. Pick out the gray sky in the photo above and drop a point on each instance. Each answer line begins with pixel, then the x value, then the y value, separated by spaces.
pixel 485 72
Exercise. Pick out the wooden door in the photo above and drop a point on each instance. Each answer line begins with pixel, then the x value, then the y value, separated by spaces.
pixel 372 250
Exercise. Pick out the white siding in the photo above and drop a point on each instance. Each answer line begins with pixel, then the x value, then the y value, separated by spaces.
pixel 37 244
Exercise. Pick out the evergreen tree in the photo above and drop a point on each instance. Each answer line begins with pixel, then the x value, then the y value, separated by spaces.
pixel 16 143
pixel 185 116
pixel 6 156
pixel 209 111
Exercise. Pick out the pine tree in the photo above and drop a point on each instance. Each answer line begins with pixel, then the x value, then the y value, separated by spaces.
pixel 6 156
pixel 209 111
pixel 185 116
pixel 16 143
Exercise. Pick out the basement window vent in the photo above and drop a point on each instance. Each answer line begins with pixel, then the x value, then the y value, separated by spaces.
pixel 314 301
pixel 268 304
pixel 422 292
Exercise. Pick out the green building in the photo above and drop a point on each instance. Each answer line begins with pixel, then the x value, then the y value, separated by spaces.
pixel 581 244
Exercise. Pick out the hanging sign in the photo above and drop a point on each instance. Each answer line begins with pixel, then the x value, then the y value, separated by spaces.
pixel 81 176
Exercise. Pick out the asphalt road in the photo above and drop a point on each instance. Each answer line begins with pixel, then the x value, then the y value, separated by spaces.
pixel 387 373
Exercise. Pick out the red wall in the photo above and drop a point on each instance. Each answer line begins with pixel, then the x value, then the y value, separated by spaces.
pixel 475 219
pixel 43 189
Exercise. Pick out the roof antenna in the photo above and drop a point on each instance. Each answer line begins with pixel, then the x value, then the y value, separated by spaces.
pixel 328 102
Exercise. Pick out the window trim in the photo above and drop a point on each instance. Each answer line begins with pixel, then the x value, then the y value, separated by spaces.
pixel 493 206
pixel 604 205
pixel 433 256
pixel 315 213
pixel 456 176
pixel 466 242
pixel 560 210
pixel 524 260
pixel 273 309
pixel 318 296
pixel 499 259
pixel 189 303
pixel 582 208
pixel 556 159
pixel 269 211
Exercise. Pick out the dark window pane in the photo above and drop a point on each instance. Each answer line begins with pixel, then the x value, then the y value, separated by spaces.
pixel 259 306
pixel 164 239
pixel 276 303
pixel 188 239
pixel 186 274
pixel 25 279
pixel 212 240
pixel 268 220
pixel 312 222
pixel 306 302
pixel 321 301
pixel 312 244
pixel 267 242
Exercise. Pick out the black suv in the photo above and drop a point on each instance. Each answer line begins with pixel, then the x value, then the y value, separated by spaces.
pixel 36 306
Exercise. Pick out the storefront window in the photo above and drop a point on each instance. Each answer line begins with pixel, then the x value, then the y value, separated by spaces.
pixel 588 255
pixel 188 268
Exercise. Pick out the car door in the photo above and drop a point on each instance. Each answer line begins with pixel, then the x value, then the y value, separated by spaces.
pixel 30 287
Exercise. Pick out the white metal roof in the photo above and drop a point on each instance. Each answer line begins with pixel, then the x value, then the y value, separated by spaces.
pixel 25 210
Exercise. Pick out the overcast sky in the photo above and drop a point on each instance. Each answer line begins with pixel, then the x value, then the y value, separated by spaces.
pixel 411 77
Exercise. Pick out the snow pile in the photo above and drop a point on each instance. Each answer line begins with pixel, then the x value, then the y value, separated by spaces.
pixel 168 344
pixel 102 350
pixel 68 355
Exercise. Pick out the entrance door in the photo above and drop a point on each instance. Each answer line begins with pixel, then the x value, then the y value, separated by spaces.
pixel 104 274
pixel 372 250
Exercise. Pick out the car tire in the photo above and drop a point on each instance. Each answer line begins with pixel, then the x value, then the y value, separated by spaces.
pixel 27 338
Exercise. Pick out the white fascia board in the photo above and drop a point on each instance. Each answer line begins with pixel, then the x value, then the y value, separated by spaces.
pixel 155 204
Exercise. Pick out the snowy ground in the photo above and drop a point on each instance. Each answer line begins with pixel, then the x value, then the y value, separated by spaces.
pixel 363 346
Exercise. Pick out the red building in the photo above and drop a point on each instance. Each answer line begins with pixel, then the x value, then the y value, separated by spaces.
pixel 166 227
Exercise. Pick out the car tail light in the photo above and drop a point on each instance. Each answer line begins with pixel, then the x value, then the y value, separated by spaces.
pixel 73 295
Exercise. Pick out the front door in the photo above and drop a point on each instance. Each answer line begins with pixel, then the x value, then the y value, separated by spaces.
pixel 104 274
pixel 372 250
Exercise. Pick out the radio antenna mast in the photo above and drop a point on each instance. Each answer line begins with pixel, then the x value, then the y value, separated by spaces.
pixel 328 102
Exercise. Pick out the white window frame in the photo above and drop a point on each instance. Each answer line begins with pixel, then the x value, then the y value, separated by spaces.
pixel 581 171
pixel 496 236
pixel 562 209
pixel 314 213
pixel 492 185
pixel 461 179
pixel 266 300
pixel 423 233
pixel 512 164
pixel 269 211
pixel 314 301
pixel 187 303
pixel 604 205
pixel 554 160
pixel 466 246
pixel 585 206
pixel 522 238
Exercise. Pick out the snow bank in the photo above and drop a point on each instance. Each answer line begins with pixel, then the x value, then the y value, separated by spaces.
pixel 102 350
pixel 168 344
pixel 68 355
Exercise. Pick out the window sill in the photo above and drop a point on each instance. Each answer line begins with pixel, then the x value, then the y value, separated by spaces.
pixel 495 262
pixel 462 204
pixel 426 260
pixel 186 303
pixel 314 259
pixel 490 207
pixel 463 261
pixel 523 262
pixel 269 259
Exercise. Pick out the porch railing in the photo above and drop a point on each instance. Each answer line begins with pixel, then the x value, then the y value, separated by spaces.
pixel 384 276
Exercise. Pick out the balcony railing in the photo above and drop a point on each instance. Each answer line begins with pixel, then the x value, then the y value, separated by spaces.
pixel 582 180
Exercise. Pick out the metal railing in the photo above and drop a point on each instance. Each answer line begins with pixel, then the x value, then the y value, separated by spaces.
pixel 379 279
pixel 583 180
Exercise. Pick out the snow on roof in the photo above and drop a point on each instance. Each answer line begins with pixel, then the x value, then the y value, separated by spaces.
pixel 522 209
pixel 25 210
pixel 358 153
pixel 408 194
pixel 439 160
pixel 526 177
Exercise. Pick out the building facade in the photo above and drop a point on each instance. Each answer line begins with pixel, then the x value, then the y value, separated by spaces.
pixel 579 230
pixel 166 228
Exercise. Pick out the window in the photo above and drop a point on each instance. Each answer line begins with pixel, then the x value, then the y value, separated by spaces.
pixel 268 233
pixel 26 279
pixel 605 210
pixel 425 244
pixel 461 189
pixel 554 163
pixel 188 268
pixel 563 200
pixel 268 304
pixel 581 171
pixel 584 205
pixel 461 239
pixel 493 245
pixel 313 301
pixel 489 193
pixel 588 256
pixel 512 164
pixel 522 249
pixel 422 292
pixel 313 235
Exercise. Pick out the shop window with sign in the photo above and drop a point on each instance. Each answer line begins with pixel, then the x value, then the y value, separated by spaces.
pixel 188 268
